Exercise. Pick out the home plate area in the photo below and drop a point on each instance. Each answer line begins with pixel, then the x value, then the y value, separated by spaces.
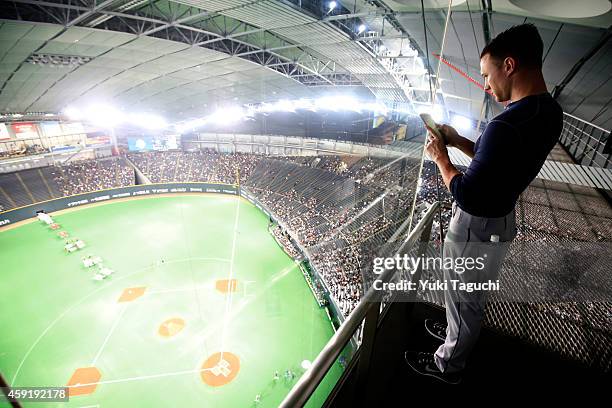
pixel 220 369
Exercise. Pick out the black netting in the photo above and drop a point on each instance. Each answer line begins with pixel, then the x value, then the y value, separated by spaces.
pixel 576 218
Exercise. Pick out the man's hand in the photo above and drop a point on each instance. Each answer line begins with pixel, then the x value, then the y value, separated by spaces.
pixel 450 134
pixel 435 147
pixel 454 139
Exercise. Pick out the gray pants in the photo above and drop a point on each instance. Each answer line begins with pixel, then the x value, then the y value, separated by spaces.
pixel 470 237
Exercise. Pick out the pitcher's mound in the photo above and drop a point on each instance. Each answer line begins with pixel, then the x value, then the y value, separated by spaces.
pixel 171 327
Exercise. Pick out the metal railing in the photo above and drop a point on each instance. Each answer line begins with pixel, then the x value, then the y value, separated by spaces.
pixel 588 144
pixel 368 309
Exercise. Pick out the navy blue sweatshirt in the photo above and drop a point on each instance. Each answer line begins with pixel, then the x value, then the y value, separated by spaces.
pixel 508 156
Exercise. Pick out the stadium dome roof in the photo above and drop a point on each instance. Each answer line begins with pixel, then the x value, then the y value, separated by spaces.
pixel 185 58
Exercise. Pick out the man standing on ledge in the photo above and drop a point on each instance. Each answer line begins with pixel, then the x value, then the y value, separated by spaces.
pixel 505 159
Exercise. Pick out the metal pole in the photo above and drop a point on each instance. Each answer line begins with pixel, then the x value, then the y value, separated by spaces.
pixel 307 384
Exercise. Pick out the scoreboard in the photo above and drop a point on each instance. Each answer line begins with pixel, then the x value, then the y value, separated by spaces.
pixel 153 143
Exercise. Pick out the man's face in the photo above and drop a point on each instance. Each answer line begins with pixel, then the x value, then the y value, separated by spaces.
pixel 496 77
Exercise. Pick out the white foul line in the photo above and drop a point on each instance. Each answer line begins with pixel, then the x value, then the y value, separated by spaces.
pixel 93 363
pixel 230 286
pixel 156 292
pixel 142 377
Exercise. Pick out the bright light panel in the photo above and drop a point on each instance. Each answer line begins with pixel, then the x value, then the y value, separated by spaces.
pixel 461 122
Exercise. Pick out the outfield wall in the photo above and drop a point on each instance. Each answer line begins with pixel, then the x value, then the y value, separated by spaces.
pixel 49 206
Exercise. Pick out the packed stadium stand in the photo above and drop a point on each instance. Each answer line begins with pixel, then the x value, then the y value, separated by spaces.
pixel 207 165
pixel 45 183
pixel 340 214
pixel 93 175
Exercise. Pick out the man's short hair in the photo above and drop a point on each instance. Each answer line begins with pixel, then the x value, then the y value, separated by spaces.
pixel 521 42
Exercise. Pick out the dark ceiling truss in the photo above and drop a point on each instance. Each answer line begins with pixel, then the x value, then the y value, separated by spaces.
pixel 390 17
pixel 603 40
pixel 186 24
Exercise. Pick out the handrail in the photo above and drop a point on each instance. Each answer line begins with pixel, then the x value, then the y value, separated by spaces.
pixel 588 123
pixel 307 384
pixel 586 143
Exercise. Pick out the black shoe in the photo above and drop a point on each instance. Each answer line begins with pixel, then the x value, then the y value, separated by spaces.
pixel 424 364
pixel 436 329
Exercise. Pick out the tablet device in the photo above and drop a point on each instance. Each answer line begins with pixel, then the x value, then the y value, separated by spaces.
pixel 428 120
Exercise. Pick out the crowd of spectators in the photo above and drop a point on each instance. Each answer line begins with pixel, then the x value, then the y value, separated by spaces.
pixel 334 164
pixel 430 189
pixel 337 221
pixel 205 165
pixel 336 262
pixel 284 240
pixel 92 175
pixel 341 210
pixel 340 268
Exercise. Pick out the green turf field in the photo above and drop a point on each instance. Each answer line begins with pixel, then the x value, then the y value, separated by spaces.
pixel 56 318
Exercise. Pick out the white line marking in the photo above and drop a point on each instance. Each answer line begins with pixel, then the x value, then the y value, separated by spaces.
pixel 156 292
pixel 210 330
pixel 112 329
pixel 230 287
pixel 142 377
pixel 78 302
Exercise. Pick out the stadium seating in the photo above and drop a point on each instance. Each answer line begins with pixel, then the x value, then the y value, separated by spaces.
pixel 92 175
pixel 341 210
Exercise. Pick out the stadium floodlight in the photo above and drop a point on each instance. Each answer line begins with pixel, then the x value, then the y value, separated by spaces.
pixel 226 116
pixel 461 122
pixel 104 115
pixel 266 108
pixel 305 104
pixel 108 116
pixel 338 102
pixel 327 103
pixel 332 5
pixel 436 111
pixel 361 28
pixel 190 125
pixel 285 105
pixel 73 113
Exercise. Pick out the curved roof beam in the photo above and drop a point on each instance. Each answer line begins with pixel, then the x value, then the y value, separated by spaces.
pixel 131 21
